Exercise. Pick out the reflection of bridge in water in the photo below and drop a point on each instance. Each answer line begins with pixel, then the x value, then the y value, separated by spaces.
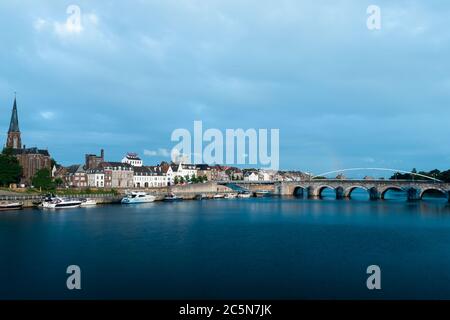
pixel 414 189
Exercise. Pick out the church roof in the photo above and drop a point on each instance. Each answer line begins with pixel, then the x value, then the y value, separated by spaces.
pixel 14 123
pixel 30 151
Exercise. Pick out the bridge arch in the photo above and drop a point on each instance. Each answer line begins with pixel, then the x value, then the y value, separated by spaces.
pixel 322 188
pixel 389 188
pixel 348 191
pixel 300 191
pixel 441 191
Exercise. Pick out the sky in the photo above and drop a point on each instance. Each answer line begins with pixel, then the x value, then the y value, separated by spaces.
pixel 341 95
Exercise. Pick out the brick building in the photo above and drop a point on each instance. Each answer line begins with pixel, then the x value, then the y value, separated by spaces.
pixel 31 159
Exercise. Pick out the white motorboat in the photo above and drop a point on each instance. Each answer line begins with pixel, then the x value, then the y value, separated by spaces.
pixel 88 203
pixel 219 196
pixel 263 193
pixel 138 197
pixel 7 206
pixel 61 203
pixel 244 195
pixel 231 196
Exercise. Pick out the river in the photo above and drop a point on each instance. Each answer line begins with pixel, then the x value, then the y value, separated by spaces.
pixel 259 248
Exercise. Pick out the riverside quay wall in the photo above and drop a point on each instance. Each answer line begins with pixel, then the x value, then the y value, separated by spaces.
pixel 187 192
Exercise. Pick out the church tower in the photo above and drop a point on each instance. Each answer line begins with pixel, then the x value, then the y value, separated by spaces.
pixel 14 141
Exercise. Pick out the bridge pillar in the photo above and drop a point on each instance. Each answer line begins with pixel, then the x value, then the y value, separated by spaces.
pixel 286 189
pixel 312 193
pixel 413 194
pixel 340 193
pixel 374 194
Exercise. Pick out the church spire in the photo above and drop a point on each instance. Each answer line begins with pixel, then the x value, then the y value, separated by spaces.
pixel 14 140
pixel 14 124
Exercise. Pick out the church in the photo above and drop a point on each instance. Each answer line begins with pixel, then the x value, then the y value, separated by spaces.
pixel 31 159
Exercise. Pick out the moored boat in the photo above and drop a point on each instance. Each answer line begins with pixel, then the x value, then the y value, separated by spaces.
pixel 61 203
pixel 138 197
pixel 231 196
pixel 244 195
pixel 219 196
pixel 263 193
pixel 172 197
pixel 88 202
pixel 7 206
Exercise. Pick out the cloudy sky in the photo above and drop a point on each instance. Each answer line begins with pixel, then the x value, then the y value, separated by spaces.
pixel 342 95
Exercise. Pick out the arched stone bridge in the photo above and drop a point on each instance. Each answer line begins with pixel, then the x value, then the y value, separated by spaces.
pixel 376 188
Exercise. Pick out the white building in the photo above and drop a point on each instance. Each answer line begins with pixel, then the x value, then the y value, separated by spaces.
pixel 150 177
pixel 133 160
pixel 265 176
pixel 183 170
pixel 167 170
pixel 96 178
pixel 251 177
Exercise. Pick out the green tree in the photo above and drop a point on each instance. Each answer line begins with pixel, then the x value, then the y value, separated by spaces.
pixel 176 180
pixel 181 180
pixel 43 180
pixel 194 179
pixel 10 169
pixel 59 182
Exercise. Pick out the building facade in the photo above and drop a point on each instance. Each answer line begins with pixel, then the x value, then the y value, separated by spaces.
pixel 76 176
pixel 150 177
pixel 96 178
pixel 183 170
pixel 93 161
pixel 118 174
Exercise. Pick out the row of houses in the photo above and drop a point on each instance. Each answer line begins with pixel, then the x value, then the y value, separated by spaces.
pixel 96 172
pixel 123 175
pixel 130 172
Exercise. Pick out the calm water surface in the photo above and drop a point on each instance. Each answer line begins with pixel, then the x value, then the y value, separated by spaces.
pixel 244 248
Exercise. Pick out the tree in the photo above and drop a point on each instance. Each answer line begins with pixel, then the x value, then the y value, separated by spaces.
pixel 176 180
pixel 444 176
pixel 194 179
pixel 59 182
pixel 10 169
pixel 43 180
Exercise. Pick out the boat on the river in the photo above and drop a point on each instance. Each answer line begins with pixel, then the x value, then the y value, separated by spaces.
pixel 263 193
pixel 61 203
pixel 244 195
pixel 172 197
pixel 88 202
pixel 231 195
pixel 9 206
pixel 219 196
pixel 138 197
